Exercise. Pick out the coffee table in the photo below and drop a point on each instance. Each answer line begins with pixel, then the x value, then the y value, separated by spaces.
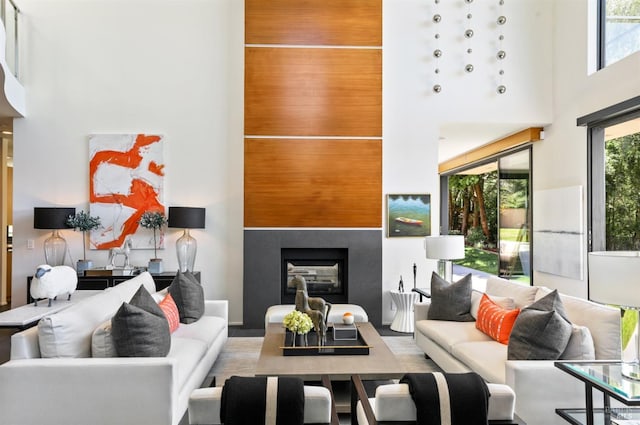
pixel 379 364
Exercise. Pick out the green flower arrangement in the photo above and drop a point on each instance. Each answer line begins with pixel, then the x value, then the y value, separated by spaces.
pixel 298 322
pixel 153 220
pixel 83 222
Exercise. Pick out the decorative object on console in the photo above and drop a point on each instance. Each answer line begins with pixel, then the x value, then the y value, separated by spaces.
pixel 125 251
pixel 83 222
pixel 154 220
pixel 444 248
pixel 49 282
pixel 613 279
pixel 54 219
pixel 186 246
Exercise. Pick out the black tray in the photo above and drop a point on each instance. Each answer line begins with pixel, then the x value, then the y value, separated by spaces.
pixel 332 348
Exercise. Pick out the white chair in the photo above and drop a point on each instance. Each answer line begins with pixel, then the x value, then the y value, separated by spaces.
pixel 319 407
pixel 393 404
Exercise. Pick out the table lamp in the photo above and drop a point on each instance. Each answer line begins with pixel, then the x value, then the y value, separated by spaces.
pixel 444 248
pixel 613 279
pixel 55 247
pixel 186 246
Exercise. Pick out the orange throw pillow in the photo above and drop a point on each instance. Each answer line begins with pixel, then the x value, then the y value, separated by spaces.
pixel 170 310
pixel 494 320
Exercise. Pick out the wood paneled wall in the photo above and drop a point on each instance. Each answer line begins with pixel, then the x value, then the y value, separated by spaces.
pixel 313 92
pixel 313 113
pixel 300 183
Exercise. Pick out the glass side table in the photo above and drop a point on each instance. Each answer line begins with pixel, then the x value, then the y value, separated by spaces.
pixel 605 377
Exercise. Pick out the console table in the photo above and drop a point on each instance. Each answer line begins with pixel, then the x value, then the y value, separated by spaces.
pixel 162 280
pixel 605 377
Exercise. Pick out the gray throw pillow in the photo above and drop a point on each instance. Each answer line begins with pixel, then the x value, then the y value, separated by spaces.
pixel 140 329
pixel 188 296
pixel 450 301
pixel 541 331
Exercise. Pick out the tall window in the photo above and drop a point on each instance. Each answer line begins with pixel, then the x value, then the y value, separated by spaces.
pixel 489 203
pixel 614 176
pixel 619 30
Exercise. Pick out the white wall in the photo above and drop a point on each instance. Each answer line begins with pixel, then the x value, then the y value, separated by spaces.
pixel 176 68
pixel 166 67
pixel 561 159
pixel 413 113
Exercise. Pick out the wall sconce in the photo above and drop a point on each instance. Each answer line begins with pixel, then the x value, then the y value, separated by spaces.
pixel 55 247
pixel 186 246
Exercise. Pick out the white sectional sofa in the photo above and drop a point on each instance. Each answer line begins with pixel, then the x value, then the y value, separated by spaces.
pixel 76 388
pixel 539 386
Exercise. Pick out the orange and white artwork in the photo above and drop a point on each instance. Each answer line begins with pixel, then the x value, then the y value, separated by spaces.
pixel 126 178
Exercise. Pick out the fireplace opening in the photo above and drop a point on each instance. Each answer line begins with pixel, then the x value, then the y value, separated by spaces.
pixel 324 270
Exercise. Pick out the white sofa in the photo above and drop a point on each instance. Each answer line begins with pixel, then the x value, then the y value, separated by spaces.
pixel 79 389
pixel 540 387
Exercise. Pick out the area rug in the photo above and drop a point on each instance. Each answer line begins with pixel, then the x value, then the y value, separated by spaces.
pixel 240 357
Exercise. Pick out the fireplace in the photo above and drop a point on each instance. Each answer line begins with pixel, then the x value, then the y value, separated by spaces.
pixel 324 270
pixel 358 253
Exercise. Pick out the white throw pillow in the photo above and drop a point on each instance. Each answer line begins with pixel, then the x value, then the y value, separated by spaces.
pixel 523 295
pixel 505 302
pixel 102 341
pixel 580 346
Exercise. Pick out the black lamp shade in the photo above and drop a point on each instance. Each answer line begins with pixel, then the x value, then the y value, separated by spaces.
pixel 186 217
pixel 51 218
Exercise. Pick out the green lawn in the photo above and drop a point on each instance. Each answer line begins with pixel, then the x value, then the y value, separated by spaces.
pixel 487 261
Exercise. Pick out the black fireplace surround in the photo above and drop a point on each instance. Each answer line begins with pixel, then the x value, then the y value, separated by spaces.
pixel 265 253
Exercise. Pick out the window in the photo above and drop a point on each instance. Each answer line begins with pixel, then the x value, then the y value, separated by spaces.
pixel 614 176
pixel 619 30
pixel 489 202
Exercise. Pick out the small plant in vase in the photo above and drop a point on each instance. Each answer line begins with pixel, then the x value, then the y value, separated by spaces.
pixel 154 220
pixel 298 323
pixel 84 223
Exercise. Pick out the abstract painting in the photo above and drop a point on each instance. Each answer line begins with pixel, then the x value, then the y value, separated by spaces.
pixel 408 215
pixel 558 242
pixel 126 178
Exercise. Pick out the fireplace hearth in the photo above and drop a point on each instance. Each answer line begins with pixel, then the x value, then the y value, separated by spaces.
pixel 356 252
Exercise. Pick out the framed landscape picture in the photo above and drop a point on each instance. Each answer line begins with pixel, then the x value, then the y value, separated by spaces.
pixel 408 215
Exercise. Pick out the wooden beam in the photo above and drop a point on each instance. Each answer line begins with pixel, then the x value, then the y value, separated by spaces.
pixel 532 134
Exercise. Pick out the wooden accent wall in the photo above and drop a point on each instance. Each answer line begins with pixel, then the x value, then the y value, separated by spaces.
pixel 313 113
pixel 300 183
pixel 313 92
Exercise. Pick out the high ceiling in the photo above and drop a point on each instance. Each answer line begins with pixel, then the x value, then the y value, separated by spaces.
pixel 458 138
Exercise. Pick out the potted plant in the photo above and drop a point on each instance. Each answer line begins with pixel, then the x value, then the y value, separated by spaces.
pixel 153 220
pixel 298 323
pixel 83 222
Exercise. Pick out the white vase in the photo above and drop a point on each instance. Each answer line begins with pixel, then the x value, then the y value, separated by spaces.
pixel 155 266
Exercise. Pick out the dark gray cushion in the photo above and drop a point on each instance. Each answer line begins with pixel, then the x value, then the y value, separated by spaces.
pixel 140 329
pixel 450 301
pixel 541 331
pixel 188 296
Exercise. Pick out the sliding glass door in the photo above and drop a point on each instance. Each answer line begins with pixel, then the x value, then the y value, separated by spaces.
pixel 490 204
